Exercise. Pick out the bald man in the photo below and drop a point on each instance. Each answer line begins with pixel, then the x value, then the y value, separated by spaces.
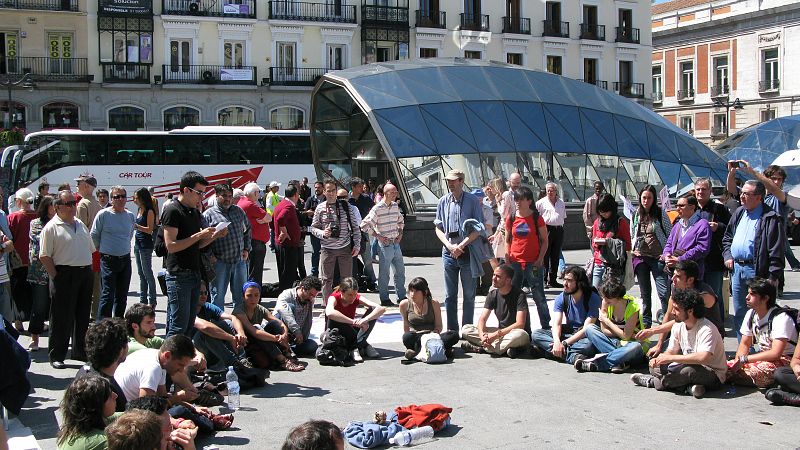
pixel 385 223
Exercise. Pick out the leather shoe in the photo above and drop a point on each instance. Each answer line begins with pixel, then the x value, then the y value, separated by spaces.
pixel 57 364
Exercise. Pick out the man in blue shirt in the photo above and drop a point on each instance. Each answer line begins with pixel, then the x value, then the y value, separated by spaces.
pixel 112 232
pixel 219 335
pixel 451 213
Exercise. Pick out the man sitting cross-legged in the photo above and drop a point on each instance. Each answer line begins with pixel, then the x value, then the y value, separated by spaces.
pixel 219 335
pixel 695 357
pixel 510 305
pixel 295 307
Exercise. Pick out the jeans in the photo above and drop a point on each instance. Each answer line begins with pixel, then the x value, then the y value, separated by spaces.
pixel 453 270
pixel 316 247
pixel 714 279
pixel 675 376
pixel 597 274
pixel 69 311
pixel 739 279
pixel 228 274
pixel 183 288
pixel 617 354
pixel 40 309
pixel 115 279
pixel 147 282
pixel 535 278
pixel 217 351
pixel 366 257
pixel 390 256
pixel 255 271
pixel 555 240
pixel 543 339
pixel 643 271
pixel 784 376
pixel 562 263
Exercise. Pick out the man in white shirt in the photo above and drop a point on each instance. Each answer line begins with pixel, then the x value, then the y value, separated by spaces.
pixel 695 358
pixel 145 372
pixel 553 212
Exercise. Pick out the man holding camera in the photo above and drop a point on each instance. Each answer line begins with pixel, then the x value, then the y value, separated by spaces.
pixel 335 224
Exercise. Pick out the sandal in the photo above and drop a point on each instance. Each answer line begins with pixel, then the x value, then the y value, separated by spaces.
pixel 292 366
pixel 222 421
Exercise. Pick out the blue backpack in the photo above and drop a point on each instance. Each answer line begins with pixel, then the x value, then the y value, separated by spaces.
pixel 432 349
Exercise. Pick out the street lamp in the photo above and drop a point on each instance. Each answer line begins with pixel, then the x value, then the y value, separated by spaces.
pixel 728 104
pixel 26 82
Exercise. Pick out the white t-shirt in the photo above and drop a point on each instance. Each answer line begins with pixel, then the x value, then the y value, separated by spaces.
pixel 703 337
pixel 141 370
pixel 782 328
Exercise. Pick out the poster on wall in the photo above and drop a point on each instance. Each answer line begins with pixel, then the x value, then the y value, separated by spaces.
pixel 236 74
pixel 126 7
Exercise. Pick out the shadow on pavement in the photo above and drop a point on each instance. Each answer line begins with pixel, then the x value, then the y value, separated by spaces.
pixel 41 421
pixel 281 390
pixel 232 441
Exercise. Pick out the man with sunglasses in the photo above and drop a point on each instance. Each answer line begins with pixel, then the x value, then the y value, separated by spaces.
pixel 66 253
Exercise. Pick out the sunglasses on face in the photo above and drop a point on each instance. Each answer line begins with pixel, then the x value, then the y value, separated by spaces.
pixel 118 197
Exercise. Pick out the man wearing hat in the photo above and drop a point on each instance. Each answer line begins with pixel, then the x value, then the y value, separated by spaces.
pixel 452 211
pixel 88 207
pixel 270 202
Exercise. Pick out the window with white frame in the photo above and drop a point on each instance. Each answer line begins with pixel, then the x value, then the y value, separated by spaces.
pixel 768 114
pixel 235 116
pixel 687 124
pixel 687 80
pixel 514 58
pixel 657 81
pixel 554 64
pixel 769 70
pixel 336 56
pixel 233 53
pixel 720 124
pixel 720 86
pixel 287 118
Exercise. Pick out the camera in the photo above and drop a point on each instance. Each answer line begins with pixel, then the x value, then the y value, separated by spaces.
pixel 335 231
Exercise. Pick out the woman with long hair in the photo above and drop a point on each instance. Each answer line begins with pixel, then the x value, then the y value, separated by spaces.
pixel 608 225
pixel 88 406
pixel 144 244
pixel 37 275
pixel 649 230
pixel 422 314
pixel 340 312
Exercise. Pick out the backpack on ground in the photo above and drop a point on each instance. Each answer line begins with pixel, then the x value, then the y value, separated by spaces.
pixel 793 314
pixel 333 349
pixel 432 349
pixel 270 290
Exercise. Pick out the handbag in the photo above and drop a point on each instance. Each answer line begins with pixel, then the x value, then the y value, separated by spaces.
pixel 14 260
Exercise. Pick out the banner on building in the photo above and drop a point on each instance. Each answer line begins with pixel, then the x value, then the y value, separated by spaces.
pixel 226 74
pixel 126 7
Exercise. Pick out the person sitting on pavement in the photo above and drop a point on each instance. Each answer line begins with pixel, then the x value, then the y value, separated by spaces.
pixel 137 430
pixel 87 407
pixel 770 330
pixel 140 319
pixel 314 434
pixel 174 431
pixel 686 275
pixel 788 380
pixel 421 315
pixel 620 319
pixel 295 308
pixel 106 349
pixel 580 303
pixel 219 335
pixel 341 314
pixel 271 337
pixel 695 358
pixel 512 335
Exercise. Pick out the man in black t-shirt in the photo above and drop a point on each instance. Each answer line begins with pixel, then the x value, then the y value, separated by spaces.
pixel 510 305
pixel 184 238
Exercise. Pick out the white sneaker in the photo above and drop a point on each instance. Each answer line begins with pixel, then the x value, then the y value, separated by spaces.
pixel 357 356
pixel 370 352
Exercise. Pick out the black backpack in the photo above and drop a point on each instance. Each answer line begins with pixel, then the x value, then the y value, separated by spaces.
pixel 793 314
pixel 333 349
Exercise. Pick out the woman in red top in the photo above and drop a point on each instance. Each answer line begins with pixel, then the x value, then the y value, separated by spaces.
pixel 526 245
pixel 341 314
pixel 19 222
pixel 258 219
pixel 608 225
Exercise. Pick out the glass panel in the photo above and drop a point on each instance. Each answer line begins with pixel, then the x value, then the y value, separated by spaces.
pixel 423 179
pixel 290 150
pixel 605 167
pixel 491 131
pixel 364 143
pixel 338 171
pixel 235 116
pixel 470 164
pixel 539 167
pixel 190 150
pixel 326 146
pixel 180 116
pixel 126 118
pixel 383 91
pixel 250 149
pixel 528 126
pixel 641 173
pixel 512 84
pixel 631 138
pixel 410 120
pixel 449 128
pixel 430 86
pixel 570 170
pixel 563 123
pixel 598 132
pixel 287 118
pixel 500 165
pixel 60 115
pixel 471 83
pixel 669 173
pixel 402 143
pixel 135 150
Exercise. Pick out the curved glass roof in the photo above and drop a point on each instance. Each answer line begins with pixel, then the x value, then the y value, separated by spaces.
pixel 489 118
pixel 760 144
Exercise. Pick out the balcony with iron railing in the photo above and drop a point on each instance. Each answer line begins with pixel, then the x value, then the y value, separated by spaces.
pixel 474 22
pixel 126 72
pixel 227 8
pixel 516 25
pixel 42 5
pixel 312 12
pixel 384 16
pixel 685 95
pixel 628 35
pixel 718 131
pixel 295 76
pixel 555 28
pixel 49 69
pixel 630 90
pixel 657 97
pixel 208 74
pixel 430 19
pixel 767 86
pixel 599 83
pixel 719 91
pixel 593 31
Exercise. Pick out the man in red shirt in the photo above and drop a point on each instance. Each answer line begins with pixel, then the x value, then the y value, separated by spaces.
pixel 287 244
pixel 259 220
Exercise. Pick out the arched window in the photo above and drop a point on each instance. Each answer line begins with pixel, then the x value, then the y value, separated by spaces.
pixel 60 115
pixel 18 116
pixel 235 116
pixel 287 118
pixel 180 116
pixel 126 118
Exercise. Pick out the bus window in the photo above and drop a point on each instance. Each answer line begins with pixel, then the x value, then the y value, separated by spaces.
pixel 135 150
pixel 291 150
pixel 190 150
pixel 244 149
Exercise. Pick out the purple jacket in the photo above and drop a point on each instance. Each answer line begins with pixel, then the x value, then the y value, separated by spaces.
pixel 696 242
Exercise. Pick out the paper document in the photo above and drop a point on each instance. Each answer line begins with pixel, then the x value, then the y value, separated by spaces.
pixel 221 226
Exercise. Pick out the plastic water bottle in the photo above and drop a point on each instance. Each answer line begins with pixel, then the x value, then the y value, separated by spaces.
pixel 413 436
pixel 232 381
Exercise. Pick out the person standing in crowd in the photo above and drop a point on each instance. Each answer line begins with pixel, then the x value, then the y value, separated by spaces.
pixel 753 246
pixel 112 232
pixel 102 198
pixel 66 254
pixel 385 223
pixel 335 224
pixel 590 207
pixel 258 219
pixel 37 275
pixel 690 238
pixel 87 210
pixel 184 238
pixel 340 313
pixel 146 218
pixel 718 217
pixel 270 202
pixel 288 244
pixel 608 225
pixel 310 206
pixel 649 230
pixel 304 190
pixel 453 209
pixel 43 191
pixel 19 223
pixel 526 235
pixel 363 204
pixel 295 307
pixel 494 193
pixel 552 210
pixel 505 208
pixel 231 249
pixel 421 315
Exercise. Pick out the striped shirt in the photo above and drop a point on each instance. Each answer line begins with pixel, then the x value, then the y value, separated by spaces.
pixel 329 213
pixel 384 221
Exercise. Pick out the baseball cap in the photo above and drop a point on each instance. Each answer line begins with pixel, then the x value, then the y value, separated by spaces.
pixel 274 184
pixel 87 179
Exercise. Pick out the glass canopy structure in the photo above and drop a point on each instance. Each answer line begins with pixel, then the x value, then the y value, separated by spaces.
pixel 760 144
pixel 411 121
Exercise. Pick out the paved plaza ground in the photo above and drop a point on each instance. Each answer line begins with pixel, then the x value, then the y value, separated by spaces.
pixel 497 402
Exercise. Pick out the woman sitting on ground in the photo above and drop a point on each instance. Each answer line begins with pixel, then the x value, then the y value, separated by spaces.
pixel 421 315
pixel 341 314
pixel 88 406
pixel 271 337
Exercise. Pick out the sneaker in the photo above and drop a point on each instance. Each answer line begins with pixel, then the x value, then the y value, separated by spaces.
pixel 643 379
pixel 469 347
pixel 578 360
pixel 698 390
pixel 586 366
pixel 370 352
pixel 357 356
pixel 243 363
pixel 514 352
pixel 449 353
pixel 621 368
pixel 410 354
pixel 536 353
